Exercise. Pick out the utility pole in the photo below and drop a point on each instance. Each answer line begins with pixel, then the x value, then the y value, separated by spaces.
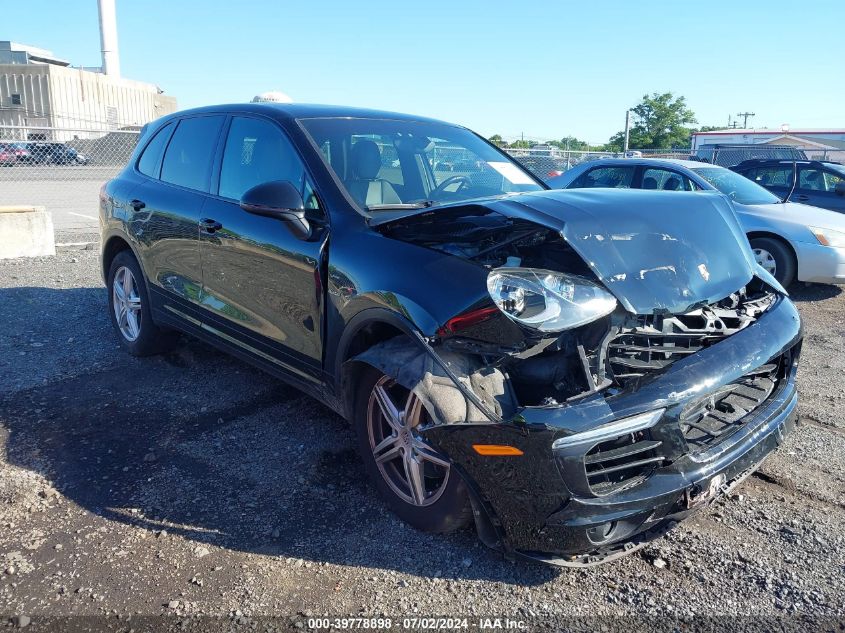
pixel 745 116
pixel 627 129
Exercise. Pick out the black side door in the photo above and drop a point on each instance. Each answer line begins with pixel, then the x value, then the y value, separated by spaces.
pixel 166 209
pixel 262 292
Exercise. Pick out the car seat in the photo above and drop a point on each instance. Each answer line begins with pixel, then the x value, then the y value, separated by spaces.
pixel 364 185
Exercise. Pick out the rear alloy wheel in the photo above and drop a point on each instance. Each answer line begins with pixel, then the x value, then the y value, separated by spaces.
pixel 130 309
pixel 420 485
pixel 126 304
pixel 776 258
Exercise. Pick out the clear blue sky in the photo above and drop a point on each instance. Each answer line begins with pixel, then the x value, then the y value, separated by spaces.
pixel 545 69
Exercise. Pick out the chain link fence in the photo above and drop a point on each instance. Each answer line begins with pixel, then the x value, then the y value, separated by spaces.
pixel 64 176
pixel 546 163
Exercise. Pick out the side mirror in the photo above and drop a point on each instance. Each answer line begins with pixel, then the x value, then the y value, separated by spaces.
pixel 840 188
pixel 278 199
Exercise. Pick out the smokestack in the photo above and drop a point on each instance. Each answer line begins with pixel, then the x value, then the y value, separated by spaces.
pixel 108 37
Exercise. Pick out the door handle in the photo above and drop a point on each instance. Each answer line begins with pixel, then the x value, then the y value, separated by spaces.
pixel 137 204
pixel 801 197
pixel 210 226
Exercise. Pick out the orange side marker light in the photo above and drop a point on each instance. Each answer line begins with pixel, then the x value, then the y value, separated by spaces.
pixel 497 450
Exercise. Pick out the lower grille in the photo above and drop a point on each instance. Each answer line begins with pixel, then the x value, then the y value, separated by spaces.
pixel 713 419
pixel 621 462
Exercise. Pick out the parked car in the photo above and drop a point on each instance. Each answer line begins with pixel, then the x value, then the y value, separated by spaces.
pixel 543 166
pixel 7 156
pixel 790 240
pixel 730 154
pixel 14 153
pixel 575 372
pixel 818 183
pixel 55 153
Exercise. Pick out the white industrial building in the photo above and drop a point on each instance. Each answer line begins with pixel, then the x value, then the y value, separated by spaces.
pixel 808 138
pixel 39 90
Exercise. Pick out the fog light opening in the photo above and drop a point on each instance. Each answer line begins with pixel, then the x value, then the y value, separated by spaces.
pixel 602 533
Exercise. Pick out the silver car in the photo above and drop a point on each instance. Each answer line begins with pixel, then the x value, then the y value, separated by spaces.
pixel 790 240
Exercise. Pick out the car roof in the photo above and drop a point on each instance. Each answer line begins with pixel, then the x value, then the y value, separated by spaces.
pixel 290 111
pixel 652 162
pixel 788 161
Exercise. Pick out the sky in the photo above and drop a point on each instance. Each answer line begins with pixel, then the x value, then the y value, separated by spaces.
pixel 544 70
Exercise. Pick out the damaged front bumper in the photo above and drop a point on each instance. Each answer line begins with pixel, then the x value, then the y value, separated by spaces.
pixel 570 503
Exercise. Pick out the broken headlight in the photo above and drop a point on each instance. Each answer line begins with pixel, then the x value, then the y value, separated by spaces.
pixel 547 300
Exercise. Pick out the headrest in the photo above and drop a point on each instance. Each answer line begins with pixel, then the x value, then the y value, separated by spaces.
pixel 649 183
pixel 366 160
pixel 673 184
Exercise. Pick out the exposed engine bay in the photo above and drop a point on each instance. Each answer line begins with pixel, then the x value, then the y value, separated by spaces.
pixel 491 239
pixel 610 354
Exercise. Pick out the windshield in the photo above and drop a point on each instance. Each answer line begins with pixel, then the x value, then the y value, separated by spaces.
pixel 387 164
pixel 737 188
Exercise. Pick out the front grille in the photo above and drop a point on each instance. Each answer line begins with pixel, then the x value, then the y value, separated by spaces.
pixel 713 419
pixel 647 344
pixel 622 462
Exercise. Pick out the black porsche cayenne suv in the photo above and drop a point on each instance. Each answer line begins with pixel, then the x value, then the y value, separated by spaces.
pixel 574 371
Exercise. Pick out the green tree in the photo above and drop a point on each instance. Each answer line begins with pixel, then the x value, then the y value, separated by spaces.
pixel 570 143
pixel 661 121
pixel 497 140
pixel 520 144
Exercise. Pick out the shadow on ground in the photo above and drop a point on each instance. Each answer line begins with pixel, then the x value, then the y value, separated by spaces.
pixel 208 448
pixel 813 292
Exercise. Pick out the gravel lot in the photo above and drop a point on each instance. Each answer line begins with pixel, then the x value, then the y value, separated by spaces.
pixel 192 484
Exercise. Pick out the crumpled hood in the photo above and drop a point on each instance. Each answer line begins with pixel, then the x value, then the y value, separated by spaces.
pixel 655 251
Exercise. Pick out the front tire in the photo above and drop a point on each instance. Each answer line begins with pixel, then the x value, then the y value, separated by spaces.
pixel 418 484
pixel 776 257
pixel 129 309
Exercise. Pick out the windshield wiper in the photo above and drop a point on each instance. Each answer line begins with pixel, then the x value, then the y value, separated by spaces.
pixel 401 206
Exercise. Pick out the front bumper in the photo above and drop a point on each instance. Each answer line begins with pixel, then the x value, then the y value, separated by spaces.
pixel 820 264
pixel 539 505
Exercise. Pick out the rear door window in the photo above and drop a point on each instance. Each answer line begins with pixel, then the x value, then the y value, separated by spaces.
pixel 187 160
pixel 151 157
pixel 665 180
pixel 607 177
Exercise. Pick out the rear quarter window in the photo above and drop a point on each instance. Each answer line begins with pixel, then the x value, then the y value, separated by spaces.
pixel 187 160
pixel 151 156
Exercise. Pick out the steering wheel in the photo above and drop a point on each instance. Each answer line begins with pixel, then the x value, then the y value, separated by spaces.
pixel 451 180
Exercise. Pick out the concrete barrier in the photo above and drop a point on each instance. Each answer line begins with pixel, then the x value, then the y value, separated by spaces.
pixel 26 232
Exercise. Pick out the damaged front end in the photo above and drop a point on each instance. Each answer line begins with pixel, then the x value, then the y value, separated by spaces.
pixel 627 348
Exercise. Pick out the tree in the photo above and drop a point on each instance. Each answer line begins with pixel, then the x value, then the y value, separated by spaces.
pixel 520 144
pixel 661 121
pixel 570 143
pixel 497 140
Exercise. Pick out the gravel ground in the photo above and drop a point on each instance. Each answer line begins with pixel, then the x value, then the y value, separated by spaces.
pixel 191 484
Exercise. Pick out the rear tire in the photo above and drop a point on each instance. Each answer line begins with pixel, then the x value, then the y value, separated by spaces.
pixel 776 257
pixel 129 309
pixel 440 500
